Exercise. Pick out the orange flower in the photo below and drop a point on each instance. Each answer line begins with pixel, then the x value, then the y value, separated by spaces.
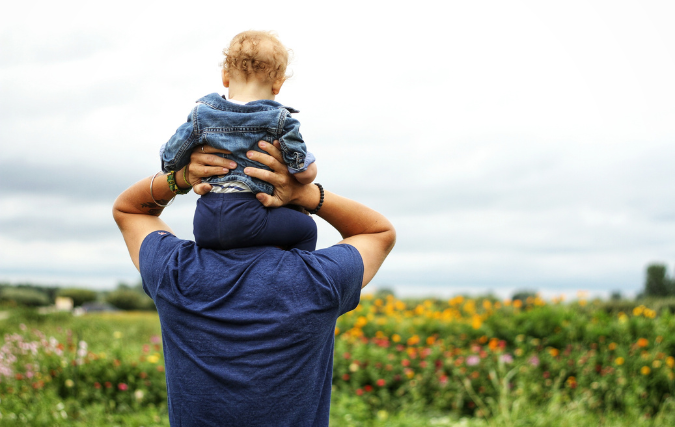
pixel 642 342
pixel 645 370
pixel 612 346
pixel 670 361
pixel 554 352
pixel 619 361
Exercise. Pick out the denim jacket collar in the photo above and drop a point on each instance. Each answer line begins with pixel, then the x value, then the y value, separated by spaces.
pixel 220 103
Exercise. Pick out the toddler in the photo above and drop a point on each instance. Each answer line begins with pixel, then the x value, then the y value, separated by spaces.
pixel 230 216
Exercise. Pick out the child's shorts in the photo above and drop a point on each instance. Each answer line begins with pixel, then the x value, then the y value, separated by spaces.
pixel 239 220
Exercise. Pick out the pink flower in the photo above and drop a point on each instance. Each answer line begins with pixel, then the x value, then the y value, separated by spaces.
pixel 506 358
pixel 122 386
pixel 472 360
pixel 381 382
pixel 534 361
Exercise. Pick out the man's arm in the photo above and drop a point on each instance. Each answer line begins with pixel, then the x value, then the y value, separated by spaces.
pixel 367 230
pixel 137 214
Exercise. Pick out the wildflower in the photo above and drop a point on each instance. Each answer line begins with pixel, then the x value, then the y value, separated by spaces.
pixel 108 384
pixel 396 338
pixel 368 388
pixel 353 367
pixel 337 330
pixel 153 358
pixel 69 383
pixel 472 360
pixel 534 361
pixel 138 394
pixel 359 391
pixel 154 339
pixel 553 351
pixel 642 342
pixel 97 385
pixel 122 386
pixel 656 364
pixel 381 382
pixel 645 370
pixel 670 361
pixel 345 377
pixel 506 358
pixel 619 361
pixel 117 334
pixel 346 355
pixel 612 346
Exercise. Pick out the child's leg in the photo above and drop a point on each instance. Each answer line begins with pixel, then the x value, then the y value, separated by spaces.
pixel 226 221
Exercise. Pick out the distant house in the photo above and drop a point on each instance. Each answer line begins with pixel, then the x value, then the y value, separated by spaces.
pixel 63 304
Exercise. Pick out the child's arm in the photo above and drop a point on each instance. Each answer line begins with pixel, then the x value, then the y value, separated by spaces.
pixel 308 175
pixel 299 161
pixel 175 154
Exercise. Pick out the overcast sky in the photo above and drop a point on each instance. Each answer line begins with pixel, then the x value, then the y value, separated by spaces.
pixel 513 144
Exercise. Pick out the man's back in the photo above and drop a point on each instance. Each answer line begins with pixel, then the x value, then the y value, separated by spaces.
pixel 248 333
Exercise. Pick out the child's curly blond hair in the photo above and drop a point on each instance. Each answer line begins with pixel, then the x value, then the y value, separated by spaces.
pixel 257 54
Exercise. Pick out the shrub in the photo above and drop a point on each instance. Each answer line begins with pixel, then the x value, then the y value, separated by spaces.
pixel 24 296
pixel 79 296
pixel 126 299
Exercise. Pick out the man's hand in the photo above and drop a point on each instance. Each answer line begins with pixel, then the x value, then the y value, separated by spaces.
pixel 286 188
pixel 205 163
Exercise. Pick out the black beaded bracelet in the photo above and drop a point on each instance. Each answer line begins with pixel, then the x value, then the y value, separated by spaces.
pixel 312 212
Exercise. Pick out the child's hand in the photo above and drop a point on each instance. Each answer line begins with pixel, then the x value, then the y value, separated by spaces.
pixel 308 175
pixel 203 164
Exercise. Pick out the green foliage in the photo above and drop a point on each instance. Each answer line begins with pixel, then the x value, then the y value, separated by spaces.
pixel 24 296
pixel 127 299
pixel 657 283
pixel 79 296
pixel 524 294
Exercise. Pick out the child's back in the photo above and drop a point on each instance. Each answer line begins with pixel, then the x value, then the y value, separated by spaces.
pixel 230 216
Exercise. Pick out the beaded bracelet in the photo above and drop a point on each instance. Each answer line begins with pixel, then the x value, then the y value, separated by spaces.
pixel 316 209
pixel 175 189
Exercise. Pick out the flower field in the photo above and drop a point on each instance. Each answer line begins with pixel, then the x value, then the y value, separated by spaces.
pixel 397 362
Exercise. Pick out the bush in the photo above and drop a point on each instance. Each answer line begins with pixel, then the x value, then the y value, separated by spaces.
pixel 24 296
pixel 126 299
pixel 79 296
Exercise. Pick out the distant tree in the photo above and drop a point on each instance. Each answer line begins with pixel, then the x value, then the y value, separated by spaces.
pixel 24 296
pixel 656 282
pixel 616 296
pixel 127 299
pixel 79 296
pixel 384 292
pixel 524 294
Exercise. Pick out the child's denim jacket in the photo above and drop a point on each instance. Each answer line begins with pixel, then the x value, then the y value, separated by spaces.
pixel 238 128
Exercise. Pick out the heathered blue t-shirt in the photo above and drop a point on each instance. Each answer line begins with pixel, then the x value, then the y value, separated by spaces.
pixel 248 334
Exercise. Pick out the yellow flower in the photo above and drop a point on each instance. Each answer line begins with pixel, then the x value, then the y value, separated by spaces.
pixel 619 361
pixel 153 358
pixel 117 334
pixel 337 330
pixel 645 370
pixel 396 338
pixel 69 383
pixel 638 310
pixel 517 303
pixel 413 340
pixel 656 364
pixel 612 346
pixel 670 361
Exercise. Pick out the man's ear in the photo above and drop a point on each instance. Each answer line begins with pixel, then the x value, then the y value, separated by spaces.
pixel 276 86
pixel 226 78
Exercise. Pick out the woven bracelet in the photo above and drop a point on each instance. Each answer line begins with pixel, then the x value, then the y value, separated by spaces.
pixel 316 209
pixel 175 189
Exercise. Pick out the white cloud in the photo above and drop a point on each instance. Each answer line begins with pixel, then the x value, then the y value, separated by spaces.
pixel 520 142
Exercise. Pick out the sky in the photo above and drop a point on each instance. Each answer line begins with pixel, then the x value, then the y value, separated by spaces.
pixel 513 144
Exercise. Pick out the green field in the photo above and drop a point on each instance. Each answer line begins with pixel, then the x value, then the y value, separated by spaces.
pixel 463 362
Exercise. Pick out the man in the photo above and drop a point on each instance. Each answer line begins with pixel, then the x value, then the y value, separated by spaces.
pixel 248 333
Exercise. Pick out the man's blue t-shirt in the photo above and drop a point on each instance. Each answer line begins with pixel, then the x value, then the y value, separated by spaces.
pixel 248 334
